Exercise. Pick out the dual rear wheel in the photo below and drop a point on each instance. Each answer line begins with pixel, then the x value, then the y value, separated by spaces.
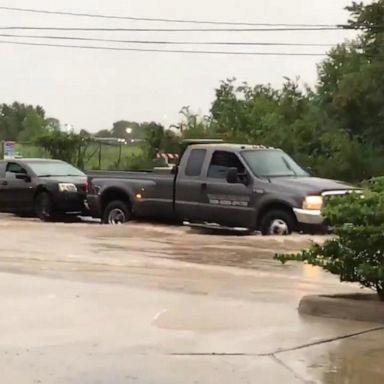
pixel 116 212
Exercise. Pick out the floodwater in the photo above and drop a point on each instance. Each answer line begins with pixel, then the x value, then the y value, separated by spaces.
pixel 143 303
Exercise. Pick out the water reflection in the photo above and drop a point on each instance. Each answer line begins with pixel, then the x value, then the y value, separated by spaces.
pixel 356 361
pixel 312 273
pixel 308 283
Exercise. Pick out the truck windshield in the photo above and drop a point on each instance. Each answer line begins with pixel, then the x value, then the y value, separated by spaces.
pixel 54 168
pixel 272 163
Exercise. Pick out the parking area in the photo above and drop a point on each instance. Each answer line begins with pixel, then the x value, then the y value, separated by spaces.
pixel 149 303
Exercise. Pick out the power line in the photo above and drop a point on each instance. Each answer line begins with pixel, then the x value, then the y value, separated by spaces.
pixel 188 21
pixel 12 42
pixel 100 29
pixel 49 37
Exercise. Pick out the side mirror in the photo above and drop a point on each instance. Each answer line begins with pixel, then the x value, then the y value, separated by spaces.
pixel 23 176
pixel 232 176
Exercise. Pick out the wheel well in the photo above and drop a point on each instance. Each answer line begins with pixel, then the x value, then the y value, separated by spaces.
pixel 113 194
pixel 39 190
pixel 272 207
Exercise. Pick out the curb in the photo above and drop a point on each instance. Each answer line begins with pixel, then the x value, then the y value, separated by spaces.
pixel 357 307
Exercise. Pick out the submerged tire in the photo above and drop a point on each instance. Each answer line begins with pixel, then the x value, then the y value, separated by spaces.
pixel 116 212
pixel 277 222
pixel 43 206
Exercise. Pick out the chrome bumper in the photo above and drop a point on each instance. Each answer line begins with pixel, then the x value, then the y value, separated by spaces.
pixel 306 216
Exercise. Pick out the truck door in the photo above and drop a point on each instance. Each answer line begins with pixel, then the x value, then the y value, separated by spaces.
pixel 229 204
pixel 3 182
pixel 18 192
pixel 191 198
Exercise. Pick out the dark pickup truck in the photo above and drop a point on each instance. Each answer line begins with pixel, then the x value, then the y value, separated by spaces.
pixel 42 187
pixel 232 185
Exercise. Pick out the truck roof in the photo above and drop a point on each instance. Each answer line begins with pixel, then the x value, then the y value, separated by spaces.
pixel 233 147
pixel 31 160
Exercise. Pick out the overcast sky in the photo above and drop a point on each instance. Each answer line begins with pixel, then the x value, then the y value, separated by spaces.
pixel 92 89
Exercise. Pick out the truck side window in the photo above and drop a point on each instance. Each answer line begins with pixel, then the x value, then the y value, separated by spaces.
pixel 195 162
pixel 15 168
pixel 221 162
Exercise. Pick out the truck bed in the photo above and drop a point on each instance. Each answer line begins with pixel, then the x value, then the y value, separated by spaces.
pixel 142 174
pixel 150 193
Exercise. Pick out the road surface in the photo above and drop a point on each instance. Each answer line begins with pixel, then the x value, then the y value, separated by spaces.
pixel 83 303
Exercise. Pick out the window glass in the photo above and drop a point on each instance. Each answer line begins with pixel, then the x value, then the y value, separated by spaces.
pixel 272 163
pixel 54 168
pixel 221 162
pixel 15 168
pixel 195 162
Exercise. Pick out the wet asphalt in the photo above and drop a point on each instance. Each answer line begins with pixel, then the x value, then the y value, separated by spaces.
pixel 154 303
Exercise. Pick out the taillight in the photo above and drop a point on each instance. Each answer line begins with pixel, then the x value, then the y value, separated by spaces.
pixel 87 186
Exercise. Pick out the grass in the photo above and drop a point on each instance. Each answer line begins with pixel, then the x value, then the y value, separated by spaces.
pixel 109 154
pixel 31 151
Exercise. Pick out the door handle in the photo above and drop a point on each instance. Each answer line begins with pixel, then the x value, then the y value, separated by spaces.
pixel 204 186
pixel 4 183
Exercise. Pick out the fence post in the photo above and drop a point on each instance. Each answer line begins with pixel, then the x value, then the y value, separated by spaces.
pixel 100 155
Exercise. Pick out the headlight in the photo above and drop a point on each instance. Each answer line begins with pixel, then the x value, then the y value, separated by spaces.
pixel 67 187
pixel 313 203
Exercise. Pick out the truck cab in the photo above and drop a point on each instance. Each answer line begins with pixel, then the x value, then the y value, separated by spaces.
pixel 233 185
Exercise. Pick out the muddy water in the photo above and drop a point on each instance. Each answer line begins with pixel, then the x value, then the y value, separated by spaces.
pixel 161 304
pixel 169 256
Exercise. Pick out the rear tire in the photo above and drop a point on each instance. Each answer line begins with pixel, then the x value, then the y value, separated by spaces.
pixel 116 212
pixel 277 222
pixel 44 208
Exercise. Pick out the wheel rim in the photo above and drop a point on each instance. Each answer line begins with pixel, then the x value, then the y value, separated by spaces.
pixel 116 216
pixel 279 227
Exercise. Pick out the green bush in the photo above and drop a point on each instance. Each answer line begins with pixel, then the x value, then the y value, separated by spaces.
pixel 356 253
pixel 135 162
pixel 376 184
pixel 69 147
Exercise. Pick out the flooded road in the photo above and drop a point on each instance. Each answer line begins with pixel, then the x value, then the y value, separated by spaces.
pixel 141 303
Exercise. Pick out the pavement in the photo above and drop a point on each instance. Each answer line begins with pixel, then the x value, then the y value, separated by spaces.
pixel 83 303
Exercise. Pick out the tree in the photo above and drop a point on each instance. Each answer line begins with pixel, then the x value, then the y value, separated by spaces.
pixel 170 142
pixel 127 130
pixel 104 133
pixel 195 127
pixel 52 124
pixel 356 253
pixel 350 79
pixel 17 118
pixel 369 18
pixel 68 147
pixel 124 129
pixel 33 126
pixel 154 136
pixel 84 133
pixel 351 92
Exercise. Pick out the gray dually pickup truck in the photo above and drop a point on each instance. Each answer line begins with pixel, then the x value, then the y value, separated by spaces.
pixel 231 185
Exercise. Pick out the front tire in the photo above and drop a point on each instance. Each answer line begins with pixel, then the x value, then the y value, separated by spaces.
pixel 43 206
pixel 277 222
pixel 116 212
